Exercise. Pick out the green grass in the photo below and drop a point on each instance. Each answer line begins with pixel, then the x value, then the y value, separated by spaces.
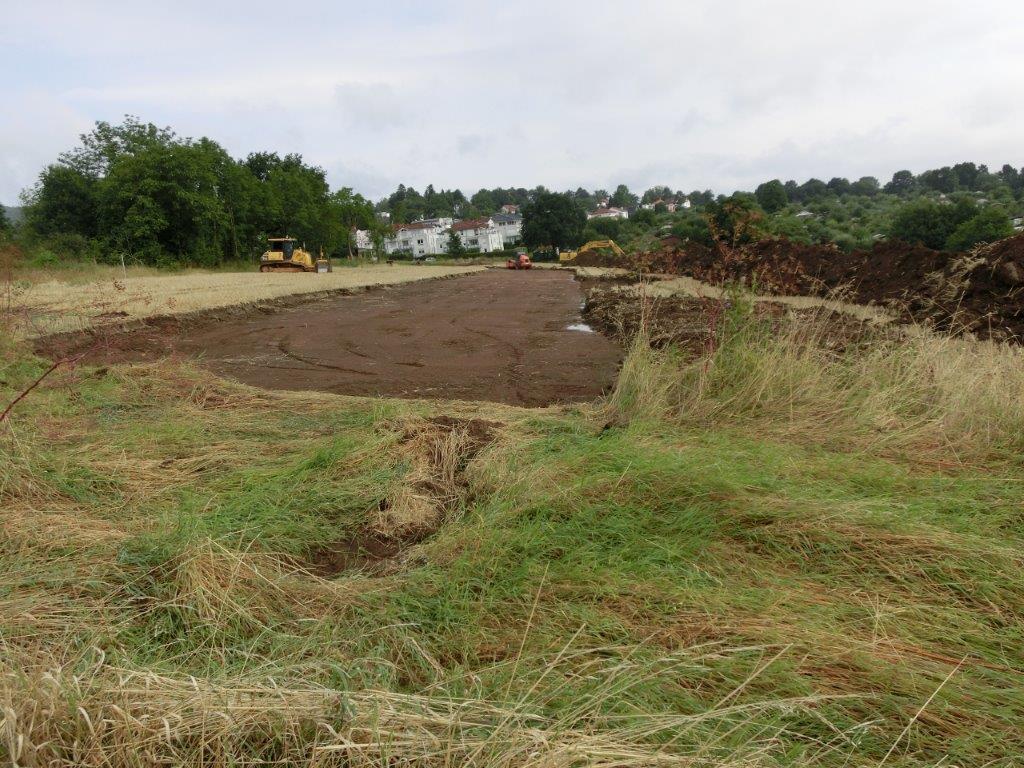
pixel 642 588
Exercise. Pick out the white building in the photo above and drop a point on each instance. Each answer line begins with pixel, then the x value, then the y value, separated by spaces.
pixel 419 238
pixel 608 213
pixel 479 235
pixel 510 208
pixel 364 243
pixel 510 225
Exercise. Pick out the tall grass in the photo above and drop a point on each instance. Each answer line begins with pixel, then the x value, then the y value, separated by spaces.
pixel 916 391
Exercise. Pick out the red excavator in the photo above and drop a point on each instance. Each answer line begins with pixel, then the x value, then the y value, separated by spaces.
pixel 521 261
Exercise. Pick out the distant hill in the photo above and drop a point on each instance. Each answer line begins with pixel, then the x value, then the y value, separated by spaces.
pixel 14 213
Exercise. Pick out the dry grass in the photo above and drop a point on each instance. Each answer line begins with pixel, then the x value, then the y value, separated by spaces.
pixel 938 396
pixel 100 714
pixel 56 306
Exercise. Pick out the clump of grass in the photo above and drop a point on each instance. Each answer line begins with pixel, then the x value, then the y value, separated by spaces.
pixel 938 396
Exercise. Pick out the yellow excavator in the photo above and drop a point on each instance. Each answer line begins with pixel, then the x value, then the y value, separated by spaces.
pixel 283 254
pixel 593 245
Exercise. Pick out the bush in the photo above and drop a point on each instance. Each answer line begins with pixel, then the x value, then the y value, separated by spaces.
pixel 988 226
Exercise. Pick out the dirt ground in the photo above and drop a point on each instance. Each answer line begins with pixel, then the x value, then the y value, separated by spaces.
pixel 495 335
pixel 980 292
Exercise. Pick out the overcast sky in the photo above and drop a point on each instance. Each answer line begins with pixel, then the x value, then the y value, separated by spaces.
pixel 690 94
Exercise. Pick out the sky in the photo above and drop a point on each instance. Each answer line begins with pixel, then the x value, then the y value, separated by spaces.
pixel 692 94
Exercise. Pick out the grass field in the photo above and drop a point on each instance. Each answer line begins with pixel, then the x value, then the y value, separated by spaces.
pixel 75 301
pixel 777 555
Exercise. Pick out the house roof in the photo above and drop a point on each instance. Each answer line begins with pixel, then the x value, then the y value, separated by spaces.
pixel 606 212
pixel 462 226
pixel 508 218
pixel 416 225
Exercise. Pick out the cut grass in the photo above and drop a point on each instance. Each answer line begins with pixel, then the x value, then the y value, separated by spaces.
pixel 58 306
pixel 697 575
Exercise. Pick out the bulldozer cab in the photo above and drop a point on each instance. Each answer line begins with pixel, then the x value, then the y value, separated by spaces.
pixel 282 245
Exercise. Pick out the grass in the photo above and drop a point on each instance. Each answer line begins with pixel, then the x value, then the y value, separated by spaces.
pixel 778 555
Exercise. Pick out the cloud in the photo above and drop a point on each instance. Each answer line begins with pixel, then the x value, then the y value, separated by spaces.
pixel 469 144
pixel 373 106
pixel 693 95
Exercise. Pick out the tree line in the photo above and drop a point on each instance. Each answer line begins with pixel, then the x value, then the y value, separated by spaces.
pixel 141 191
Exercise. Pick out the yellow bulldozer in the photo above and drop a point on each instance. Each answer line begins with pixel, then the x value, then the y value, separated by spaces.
pixel 284 254
pixel 593 245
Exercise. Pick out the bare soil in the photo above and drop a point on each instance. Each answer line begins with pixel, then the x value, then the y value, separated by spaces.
pixel 496 335
pixel 694 323
pixel 979 292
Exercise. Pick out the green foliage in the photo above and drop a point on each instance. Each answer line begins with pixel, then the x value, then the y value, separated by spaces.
pixel 604 228
pixel 142 191
pixel 553 219
pixel 989 225
pixel 455 247
pixel 771 196
pixel 737 219
pixel 622 197
pixel 931 223
pixel 644 216
pixel 5 224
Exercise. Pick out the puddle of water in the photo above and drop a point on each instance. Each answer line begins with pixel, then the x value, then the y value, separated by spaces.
pixel 579 327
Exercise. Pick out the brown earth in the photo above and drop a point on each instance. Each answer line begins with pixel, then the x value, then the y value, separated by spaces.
pixel 496 335
pixel 695 324
pixel 981 291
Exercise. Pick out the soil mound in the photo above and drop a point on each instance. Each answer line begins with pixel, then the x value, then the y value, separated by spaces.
pixel 981 291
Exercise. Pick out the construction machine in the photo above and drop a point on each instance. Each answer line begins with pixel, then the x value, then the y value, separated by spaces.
pixel 283 254
pixel 520 261
pixel 593 245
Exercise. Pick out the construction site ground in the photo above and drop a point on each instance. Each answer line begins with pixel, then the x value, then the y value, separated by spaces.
pixel 511 337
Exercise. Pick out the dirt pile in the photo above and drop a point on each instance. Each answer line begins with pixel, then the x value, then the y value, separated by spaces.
pixel 695 324
pixel 978 292
pixel 602 257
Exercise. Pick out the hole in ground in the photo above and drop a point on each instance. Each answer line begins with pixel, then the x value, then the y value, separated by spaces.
pixel 432 492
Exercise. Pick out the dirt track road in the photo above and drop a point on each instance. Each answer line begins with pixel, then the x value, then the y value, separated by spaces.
pixel 496 335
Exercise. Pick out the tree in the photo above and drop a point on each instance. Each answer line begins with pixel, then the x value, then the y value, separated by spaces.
pixel 771 195
pixel 866 185
pixel 812 189
pixel 553 219
pixel 644 217
pixel 940 180
pixel 736 219
pixel 930 223
pixel 63 201
pixel 455 247
pixel 5 224
pixel 989 225
pixel 903 183
pixel 967 175
pixel 656 193
pixel 106 143
pixel 605 228
pixel 622 197
pixel 839 186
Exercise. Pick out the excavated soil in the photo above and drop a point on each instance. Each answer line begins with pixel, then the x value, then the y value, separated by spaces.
pixel 498 335
pixel 694 324
pixel 979 292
